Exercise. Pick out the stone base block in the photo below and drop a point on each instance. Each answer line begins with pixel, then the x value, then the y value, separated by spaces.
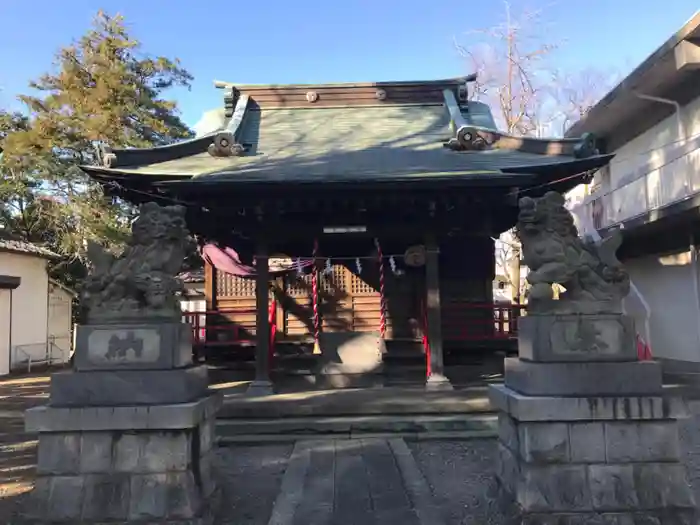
pixel 122 418
pixel 152 472
pixel 583 379
pixel 438 382
pixel 153 346
pixel 678 517
pixel 617 465
pixel 583 337
pixel 591 408
pixel 128 387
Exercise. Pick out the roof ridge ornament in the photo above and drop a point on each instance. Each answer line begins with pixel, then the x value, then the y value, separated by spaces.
pixel 105 157
pixel 476 138
pixel 225 145
pixel 221 143
pixel 225 142
pixel 467 137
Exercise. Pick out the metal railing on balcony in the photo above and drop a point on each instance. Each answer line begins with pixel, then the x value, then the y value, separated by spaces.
pixel 671 175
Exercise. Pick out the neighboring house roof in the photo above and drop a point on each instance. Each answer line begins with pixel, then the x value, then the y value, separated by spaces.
pixel 63 287
pixel 671 72
pixel 14 246
pixel 348 133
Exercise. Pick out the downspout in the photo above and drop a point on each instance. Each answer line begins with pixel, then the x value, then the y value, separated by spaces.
pixel 9 338
pixel 682 136
pixel 696 281
pixel 49 348
pixel 679 116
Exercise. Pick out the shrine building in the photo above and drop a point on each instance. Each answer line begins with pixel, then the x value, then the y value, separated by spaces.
pixel 348 209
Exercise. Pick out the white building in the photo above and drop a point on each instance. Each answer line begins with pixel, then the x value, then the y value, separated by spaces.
pixel 35 312
pixel 651 189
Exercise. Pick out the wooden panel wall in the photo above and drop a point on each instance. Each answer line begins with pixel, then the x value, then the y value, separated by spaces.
pixel 297 321
pixel 235 298
pixel 365 304
pixel 351 303
pixel 348 303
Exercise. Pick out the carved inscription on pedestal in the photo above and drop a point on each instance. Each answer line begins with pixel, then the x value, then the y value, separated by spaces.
pixel 124 346
pixel 586 336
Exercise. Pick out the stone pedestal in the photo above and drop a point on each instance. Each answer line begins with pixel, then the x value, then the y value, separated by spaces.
pixel 128 436
pixel 589 441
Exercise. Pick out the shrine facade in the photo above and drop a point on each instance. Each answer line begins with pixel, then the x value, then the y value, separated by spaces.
pixel 350 209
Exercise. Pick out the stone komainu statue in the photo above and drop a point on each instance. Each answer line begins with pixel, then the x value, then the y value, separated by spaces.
pixel 593 278
pixel 141 283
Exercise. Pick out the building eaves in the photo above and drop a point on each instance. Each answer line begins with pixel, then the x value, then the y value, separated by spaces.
pixel 25 248
pixel 673 69
pixel 63 287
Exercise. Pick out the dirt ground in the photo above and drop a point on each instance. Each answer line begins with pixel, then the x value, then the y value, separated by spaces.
pixel 17 449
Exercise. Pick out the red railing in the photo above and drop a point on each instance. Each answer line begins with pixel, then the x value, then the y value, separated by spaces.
pixel 465 321
pixel 206 332
pixel 426 340
pixel 462 321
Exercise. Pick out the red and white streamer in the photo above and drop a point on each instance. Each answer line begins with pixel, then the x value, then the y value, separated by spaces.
pixel 382 297
pixel 314 291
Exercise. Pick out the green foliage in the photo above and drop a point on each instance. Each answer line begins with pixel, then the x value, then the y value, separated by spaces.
pixel 103 89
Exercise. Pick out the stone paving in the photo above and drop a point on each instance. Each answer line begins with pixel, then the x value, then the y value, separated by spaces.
pixel 342 482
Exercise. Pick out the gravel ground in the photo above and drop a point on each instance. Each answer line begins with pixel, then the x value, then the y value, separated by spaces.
pixel 460 475
pixel 690 441
pixel 251 477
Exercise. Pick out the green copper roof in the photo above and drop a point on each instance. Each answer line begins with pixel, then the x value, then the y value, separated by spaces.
pixel 343 143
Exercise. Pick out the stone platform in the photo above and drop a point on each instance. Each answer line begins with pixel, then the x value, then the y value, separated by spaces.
pixel 356 402
pixel 566 460
pixel 125 464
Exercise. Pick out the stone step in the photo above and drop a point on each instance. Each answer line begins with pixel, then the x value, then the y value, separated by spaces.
pixel 356 402
pixel 438 426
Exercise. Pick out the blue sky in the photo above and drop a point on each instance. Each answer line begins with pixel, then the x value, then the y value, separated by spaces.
pixel 277 41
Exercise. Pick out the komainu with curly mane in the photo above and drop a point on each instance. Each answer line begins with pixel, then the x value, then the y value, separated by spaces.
pixel 141 283
pixel 593 278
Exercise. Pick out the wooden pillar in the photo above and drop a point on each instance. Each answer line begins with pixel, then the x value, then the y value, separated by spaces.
pixel 262 384
pixel 436 379
pixel 210 286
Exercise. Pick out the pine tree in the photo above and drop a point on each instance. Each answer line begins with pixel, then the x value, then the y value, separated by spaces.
pixel 104 89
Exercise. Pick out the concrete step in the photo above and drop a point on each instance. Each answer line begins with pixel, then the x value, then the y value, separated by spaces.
pixel 419 427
